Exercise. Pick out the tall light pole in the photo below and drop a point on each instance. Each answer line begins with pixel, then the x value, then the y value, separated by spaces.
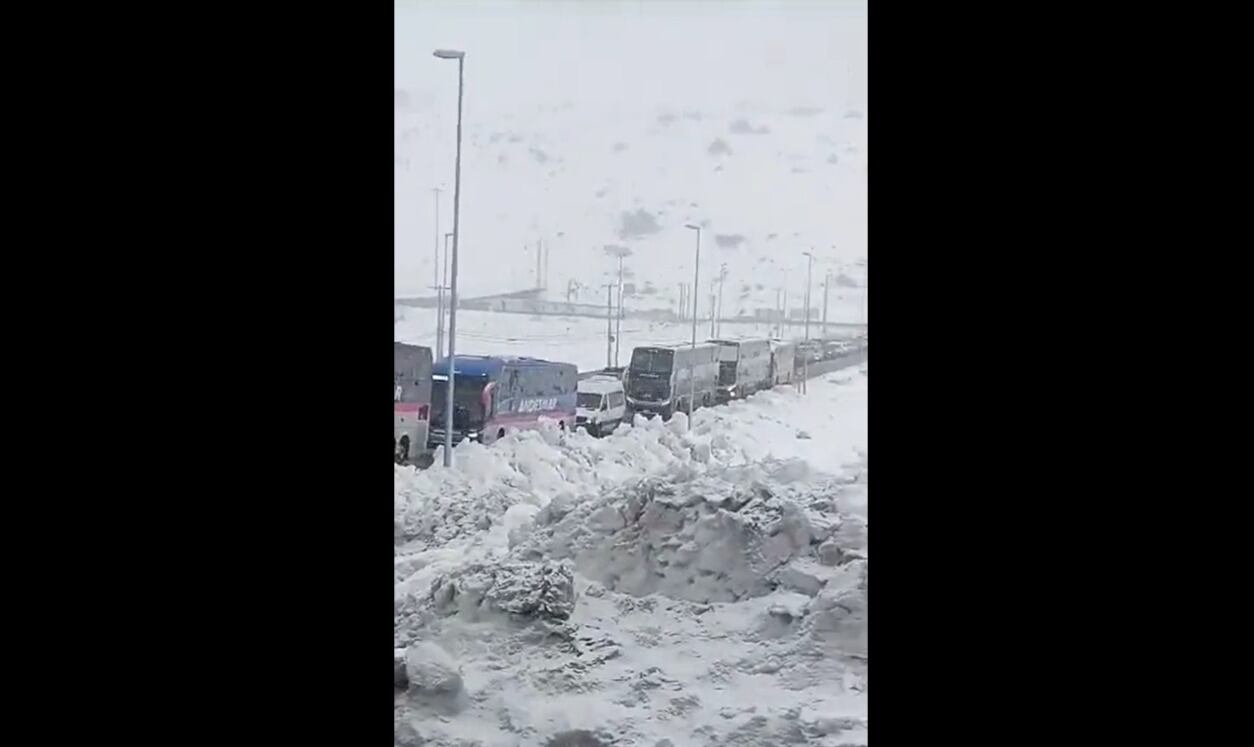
pixel 696 283
pixel 435 275
pixel 621 252
pixel 866 284
pixel 722 276
pixel 441 284
pixel 609 322
pixel 809 272
pixel 618 324
pixel 435 271
pixel 713 307
pixel 450 54
pixel 827 281
pixel 779 313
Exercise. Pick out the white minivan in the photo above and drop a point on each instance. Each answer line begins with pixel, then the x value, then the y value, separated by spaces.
pixel 600 405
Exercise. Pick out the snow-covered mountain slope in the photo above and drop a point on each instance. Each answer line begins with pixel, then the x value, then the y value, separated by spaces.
pixel 617 123
pixel 703 586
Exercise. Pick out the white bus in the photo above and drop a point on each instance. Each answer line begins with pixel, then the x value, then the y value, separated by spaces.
pixel 783 362
pixel 744 367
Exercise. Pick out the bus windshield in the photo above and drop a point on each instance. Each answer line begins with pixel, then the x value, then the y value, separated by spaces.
pixel 467 401
pixel 651 360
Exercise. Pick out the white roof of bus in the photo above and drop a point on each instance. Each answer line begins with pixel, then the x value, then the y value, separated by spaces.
pixel 677 345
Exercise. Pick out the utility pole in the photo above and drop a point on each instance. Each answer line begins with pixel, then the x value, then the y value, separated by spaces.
pixel 713 314
pixel 435 271
pixel 618 330
pixel 827 280
pixel 866 283
pixel 442 284
pixel 809 281
pixel 696 283
pixel 609 323
pixel 779 313
pixel 722 276
pixel 450 54
pixel 435 275
pixel 621 252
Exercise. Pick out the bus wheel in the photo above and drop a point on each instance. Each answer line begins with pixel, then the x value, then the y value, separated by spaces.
pixel 500 434
pixel 561 425
pixel 403 452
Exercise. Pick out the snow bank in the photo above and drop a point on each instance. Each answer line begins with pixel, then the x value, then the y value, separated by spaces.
pixel 702 585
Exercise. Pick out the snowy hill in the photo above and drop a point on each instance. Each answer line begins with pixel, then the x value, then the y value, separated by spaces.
pixel 612 125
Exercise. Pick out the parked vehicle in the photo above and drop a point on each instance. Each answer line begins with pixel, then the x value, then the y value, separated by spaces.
pixel 411 407
pixel 601 404
pixel 834 349
pixel 808 350
pixel 495 396
pixel 662 379
pixel 783 362
pixel 744 367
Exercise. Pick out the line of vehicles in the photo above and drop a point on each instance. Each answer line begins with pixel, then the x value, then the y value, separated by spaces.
pixel 494 396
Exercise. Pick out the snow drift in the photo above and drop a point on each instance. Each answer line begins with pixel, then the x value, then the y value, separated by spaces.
pixel 702 585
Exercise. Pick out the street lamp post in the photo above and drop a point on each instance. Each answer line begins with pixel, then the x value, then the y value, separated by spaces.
pixel 435 271
pixel 696 278
pixel 621 252
pixel 435 277
pixel 809 272
pixel 449 54
pixel 609 322
pixel 618 325
pixel 827 282
pixel 441 284
pixel 722 276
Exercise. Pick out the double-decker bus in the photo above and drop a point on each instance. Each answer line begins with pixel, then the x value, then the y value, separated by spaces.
pixel 663 379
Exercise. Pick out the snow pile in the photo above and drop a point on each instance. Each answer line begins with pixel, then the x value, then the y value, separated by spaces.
pixel 705 586
pixel 719 538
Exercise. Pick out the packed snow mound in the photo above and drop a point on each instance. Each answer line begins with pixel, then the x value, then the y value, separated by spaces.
pixel 429 669
pixel 522 591
pixel 436 506
pixel 700 585
pixel 720 538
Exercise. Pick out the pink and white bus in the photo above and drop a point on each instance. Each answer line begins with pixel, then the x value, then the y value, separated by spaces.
pixel 495 396
pixel 411 372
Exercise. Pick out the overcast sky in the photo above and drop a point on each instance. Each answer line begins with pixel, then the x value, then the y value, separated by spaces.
pixel 605 59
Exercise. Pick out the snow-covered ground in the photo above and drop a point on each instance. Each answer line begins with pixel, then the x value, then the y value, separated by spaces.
pixel 664 586
pixel 578 340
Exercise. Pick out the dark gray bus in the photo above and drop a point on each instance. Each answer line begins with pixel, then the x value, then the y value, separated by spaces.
pixel 661 378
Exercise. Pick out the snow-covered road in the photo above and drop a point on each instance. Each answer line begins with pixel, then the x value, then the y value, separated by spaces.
pixel 705 586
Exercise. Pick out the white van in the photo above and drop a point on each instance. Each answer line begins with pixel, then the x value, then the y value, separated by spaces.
pixel 600 405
